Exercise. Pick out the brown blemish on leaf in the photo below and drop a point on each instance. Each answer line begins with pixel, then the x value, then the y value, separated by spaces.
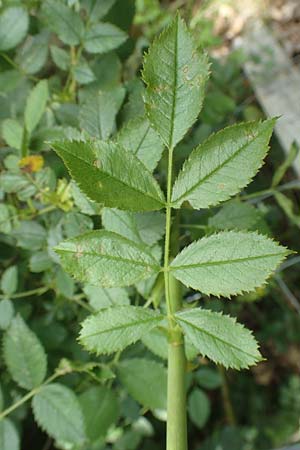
pixel 97 163
pixel 79 252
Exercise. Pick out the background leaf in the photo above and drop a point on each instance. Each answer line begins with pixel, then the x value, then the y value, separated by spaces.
pixel 57 411
pixel 100 409
pixel 115 328
pixel 220 338
pixel 240 261
pixel 103 37
pixel 223 164
pixel 36 104
pixel 106 259
pixel 6 313
pixel 236 215
pixel 64 21
pixel 100 298
pixel 9 280
pixel 14 23
pixel 174 95
pixel 145 380
pixel 198 407
pixel 24 355
pixel 9 438
pixel 99 110
pixel 147 228
pixel 12 132
pixel 138 137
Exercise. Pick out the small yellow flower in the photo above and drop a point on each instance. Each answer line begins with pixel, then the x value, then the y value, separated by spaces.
pixel 32 163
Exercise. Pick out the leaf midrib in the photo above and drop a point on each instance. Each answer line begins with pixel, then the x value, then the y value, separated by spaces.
pixel 174 87
pixel 202 330
pixel 120 327
pixel 230 261
pixel 231 157
pixel 113 258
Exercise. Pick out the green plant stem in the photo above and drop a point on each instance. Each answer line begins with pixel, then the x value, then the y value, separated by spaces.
pixel 30 394
pixel 176 409
pixel 227 405
pixel 38 291
pixel 176 404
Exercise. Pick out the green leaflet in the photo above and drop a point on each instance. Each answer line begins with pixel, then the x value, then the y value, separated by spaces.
pixel 157 342
pixel 12 133
pixel 24 355
pixel 60 57
pixel 236 215
pixel 106 259
pixel 138 137
pixel 64 21
pixel 100 298
pixel 99 110
pixel 96 9
pixel 175 74
pixel 9 280
pixel 147 228
pixel 199 407
pixel 33 54
pixel 145 380
pixel 6 314
pixel 113 329
pixel 36 104
pixel 14 23
pixel 100 409
pixel 228 263
pixel 103 37
pixel 108 174
pixel 9 438
pixel 223 164
pixel 219 337
pixel 57 411
pixel 83 74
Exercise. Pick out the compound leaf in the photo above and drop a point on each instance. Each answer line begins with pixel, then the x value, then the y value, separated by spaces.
pixel 175 74
pixel 57 411
pixel 138 137
pixel 219 337
pixel 223 164
pixel 228 263
pixel 146 381
pixel 115 328
pixel 108 174
pixel 103 258
pixel 24 355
